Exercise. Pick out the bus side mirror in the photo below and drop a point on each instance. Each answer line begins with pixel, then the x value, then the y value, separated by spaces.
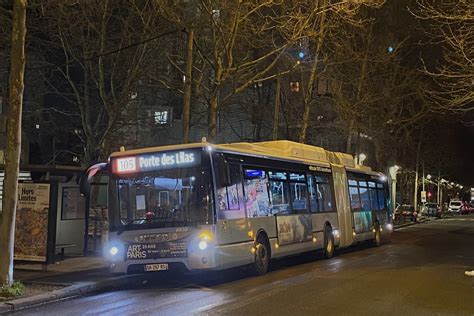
pixel 85 181
pixel 223 172
pixel 84 185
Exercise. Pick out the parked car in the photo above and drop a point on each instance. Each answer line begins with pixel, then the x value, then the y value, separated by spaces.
pixel 455 206
pixel 405 212
pixel 431 210
pixel 466 208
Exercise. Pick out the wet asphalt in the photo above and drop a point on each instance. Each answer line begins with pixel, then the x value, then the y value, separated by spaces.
pixel 420 272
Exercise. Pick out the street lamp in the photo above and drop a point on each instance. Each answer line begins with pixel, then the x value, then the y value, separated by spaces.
pixel 428 176
pixel 362 157
pixel 392 171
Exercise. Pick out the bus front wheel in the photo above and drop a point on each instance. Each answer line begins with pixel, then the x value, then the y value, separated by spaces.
pixel 261 256
pixel 328 243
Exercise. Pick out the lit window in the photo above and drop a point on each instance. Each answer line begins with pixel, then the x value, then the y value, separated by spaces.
pixel 161 117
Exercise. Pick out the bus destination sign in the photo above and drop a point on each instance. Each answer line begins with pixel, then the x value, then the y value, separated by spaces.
pixel 157 161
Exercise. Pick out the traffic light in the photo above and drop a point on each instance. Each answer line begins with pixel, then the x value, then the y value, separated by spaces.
pixel 429 194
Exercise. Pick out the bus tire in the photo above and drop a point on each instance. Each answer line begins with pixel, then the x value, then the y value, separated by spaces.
pixel 377 235
pixel 328 243
pixel 261 261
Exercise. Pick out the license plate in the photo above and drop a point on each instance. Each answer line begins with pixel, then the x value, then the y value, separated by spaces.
pixel 156 267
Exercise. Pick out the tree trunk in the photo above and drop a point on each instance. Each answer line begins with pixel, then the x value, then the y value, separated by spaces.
pixel 276 113
pixel 308 92
pixel 212 133
pixel 188 86
pixel 418 152
pixel 349 137
pixel 92 151
pixel 13 148
pixel 214 100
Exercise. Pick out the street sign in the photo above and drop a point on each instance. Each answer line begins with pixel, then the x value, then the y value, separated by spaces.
pixel 423 196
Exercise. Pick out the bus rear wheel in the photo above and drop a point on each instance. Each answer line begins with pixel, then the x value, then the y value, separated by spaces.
pixel 378 235
pixel 261 256
pixel 328 243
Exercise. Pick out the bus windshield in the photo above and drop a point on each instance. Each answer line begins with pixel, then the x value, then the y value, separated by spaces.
pixel 165 198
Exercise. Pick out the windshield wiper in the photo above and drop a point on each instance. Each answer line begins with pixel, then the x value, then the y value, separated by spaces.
pixel 166 220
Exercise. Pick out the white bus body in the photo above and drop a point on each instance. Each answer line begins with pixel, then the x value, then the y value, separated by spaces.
pixel 208 207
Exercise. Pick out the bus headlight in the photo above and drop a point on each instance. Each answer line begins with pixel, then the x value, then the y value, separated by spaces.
pixel 113 251
pixel 202 245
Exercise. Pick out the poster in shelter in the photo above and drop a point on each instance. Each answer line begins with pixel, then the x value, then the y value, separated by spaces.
pixel 31 232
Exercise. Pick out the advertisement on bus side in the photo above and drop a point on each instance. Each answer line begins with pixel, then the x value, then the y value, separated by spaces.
pixel 362 221
pixel 294 229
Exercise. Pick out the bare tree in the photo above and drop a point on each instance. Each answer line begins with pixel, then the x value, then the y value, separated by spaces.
pixel 12 157
pixel 450 24
pixel 108 48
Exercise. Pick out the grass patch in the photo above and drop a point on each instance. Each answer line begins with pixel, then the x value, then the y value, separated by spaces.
pixel 16 289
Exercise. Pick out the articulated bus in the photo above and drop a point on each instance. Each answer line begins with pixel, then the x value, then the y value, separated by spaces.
pixel 204 206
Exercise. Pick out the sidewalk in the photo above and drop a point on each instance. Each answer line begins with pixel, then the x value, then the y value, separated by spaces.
pixel 67 271
pixel 70 277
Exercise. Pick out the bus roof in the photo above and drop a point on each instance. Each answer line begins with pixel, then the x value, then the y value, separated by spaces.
pixel 280 149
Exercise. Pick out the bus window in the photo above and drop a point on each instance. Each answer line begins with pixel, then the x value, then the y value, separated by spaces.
pixel 364 198
pixel 256 193
pixel 326 202
pixel 277 175
pixel 355 199
pixel 381 196
pixel 230 198
pixel 373 197
pixel 279 197
pixel 313 197
pixel 299 194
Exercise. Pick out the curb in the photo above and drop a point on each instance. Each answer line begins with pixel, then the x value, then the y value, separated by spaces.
pixel 78 289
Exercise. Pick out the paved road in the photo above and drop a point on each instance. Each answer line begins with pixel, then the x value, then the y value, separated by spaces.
pixel 421 272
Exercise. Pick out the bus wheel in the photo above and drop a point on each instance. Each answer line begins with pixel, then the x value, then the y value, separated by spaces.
pixel 261 257
pixel 328 243
pixel 378 235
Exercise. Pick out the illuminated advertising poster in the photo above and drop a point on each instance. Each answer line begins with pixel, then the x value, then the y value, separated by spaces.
pixel 294 229
pixel 362 221
pixel 31 231
pixel 157 161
